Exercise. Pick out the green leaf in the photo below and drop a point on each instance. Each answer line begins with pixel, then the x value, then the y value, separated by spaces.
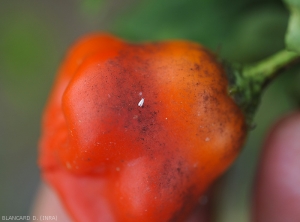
pixel 203 21
pixel 91 8
pixel 240 33
pixel 29 51
pixel 292 37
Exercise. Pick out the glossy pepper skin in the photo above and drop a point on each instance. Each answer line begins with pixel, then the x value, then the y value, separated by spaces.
pixel 137 132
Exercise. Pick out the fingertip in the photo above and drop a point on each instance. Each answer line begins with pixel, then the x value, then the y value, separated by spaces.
pixel 47 206
pixel 277 186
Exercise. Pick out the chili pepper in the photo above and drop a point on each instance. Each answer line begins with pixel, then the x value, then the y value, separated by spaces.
pixel 138 132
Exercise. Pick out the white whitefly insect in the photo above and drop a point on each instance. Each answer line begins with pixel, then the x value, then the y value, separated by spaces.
pixel 141 103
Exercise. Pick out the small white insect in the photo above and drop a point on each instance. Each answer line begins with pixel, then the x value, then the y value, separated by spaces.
pixel 141 103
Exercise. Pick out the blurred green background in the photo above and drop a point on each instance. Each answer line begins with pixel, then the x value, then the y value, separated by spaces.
pixel 35 34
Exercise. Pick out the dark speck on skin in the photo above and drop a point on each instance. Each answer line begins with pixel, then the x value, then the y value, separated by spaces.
pixel 196 67
pixel 205 97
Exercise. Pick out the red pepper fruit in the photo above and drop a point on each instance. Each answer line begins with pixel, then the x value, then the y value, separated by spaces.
pixel 137 132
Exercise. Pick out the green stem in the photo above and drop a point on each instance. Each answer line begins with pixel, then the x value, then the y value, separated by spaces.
pixel 267 69
pixel 247 83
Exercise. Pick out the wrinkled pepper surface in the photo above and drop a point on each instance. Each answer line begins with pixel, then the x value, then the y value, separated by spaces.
pixel 137 132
